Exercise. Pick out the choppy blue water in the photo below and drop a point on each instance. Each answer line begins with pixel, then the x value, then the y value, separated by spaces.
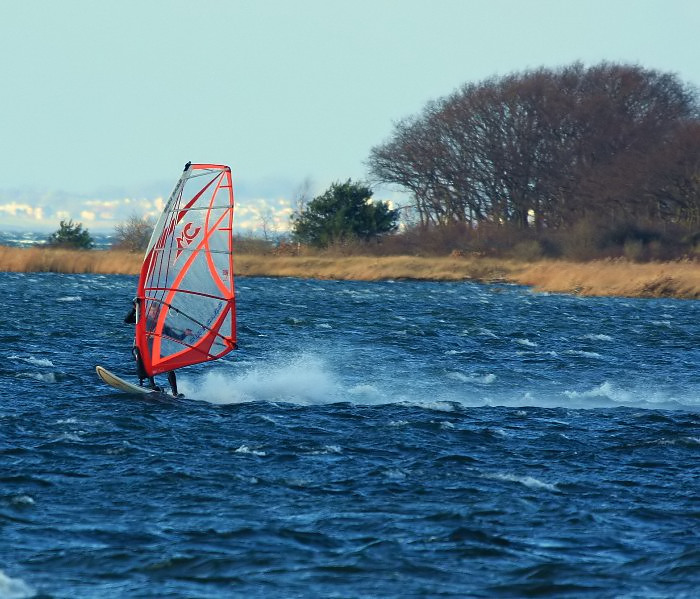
pixel 396 439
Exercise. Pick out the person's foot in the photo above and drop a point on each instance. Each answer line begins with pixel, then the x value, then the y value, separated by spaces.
pixel 156 388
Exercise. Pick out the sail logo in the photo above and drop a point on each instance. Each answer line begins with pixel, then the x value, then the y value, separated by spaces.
pixel 187 236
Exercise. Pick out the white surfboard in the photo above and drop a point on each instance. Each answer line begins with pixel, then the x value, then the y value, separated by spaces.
pixel 118 383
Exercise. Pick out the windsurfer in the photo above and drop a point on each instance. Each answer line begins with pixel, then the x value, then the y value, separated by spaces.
pixel 130 318
pixel 151 316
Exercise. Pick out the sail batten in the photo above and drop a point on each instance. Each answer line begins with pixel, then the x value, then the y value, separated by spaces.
pixel 186 287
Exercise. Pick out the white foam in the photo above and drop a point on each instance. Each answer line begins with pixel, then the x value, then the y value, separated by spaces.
pixel 528 481
pixel 526 342
pixel 305 380
pixel 605 390
pixel 248 450
pixel 32 360
pixel 583 354
pixel 598 337
pixel 487 333
pixel 70 298
pixel 486 379
pixel 327 450
pixel 367 394
pixel 313 379
pixel 14 588
pixel 22 500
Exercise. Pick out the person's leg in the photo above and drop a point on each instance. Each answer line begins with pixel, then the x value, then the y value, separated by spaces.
pixel 172 379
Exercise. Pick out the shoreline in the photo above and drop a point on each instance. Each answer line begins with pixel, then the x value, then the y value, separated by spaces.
pixel 617 278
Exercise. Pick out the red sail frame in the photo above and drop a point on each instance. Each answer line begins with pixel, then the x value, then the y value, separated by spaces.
pixel 163 290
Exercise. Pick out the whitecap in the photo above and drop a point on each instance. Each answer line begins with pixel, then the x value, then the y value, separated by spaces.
pixel 458 376
pixel 21 501
pixel 75 437
pixel 32 360
pixel 597 337
pixel 583 354
pixel 367 393
pixel 248 450
pixel 14 588
pixel 70 298
pixel 488 333
pixel 327 449
pixel 605 390
pixel 486 379
pixel 438 406
pixel 526 342
pixel 499 432
pixel 528 481
pixel 395 474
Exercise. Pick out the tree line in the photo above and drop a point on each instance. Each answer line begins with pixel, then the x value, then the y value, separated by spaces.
pixel 547 148
pixel 569 151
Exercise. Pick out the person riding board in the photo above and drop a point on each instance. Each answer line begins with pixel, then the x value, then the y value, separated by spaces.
pixel 132 318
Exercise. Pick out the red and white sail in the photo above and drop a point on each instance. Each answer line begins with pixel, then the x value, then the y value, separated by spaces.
pixel 187 300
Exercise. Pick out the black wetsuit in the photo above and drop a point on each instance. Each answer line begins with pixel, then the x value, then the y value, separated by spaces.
pixel 130 318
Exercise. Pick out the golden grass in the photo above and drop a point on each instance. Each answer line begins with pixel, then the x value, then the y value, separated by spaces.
pixel 68 261
pixel 605 277
pixel 373 268
pixel 614 277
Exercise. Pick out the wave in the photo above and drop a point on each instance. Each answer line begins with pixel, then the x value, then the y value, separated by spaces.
pixel 32 360
pixel 14 588
pixel 528 481
pixel 310 379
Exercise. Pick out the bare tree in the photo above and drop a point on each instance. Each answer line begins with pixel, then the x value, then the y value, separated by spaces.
pixel 302 196
pixel 134 234
pixel 545 148
pixel 267 224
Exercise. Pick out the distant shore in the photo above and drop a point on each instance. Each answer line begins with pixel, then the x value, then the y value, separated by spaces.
pixel 679 279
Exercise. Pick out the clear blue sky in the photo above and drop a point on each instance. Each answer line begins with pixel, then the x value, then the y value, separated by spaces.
pixel 103 102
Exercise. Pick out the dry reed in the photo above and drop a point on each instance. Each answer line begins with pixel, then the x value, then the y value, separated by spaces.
pixel 615 278
pixel 68 261
pixel 606 277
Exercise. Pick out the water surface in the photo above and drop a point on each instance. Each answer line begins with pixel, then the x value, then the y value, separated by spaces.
pixel 396 439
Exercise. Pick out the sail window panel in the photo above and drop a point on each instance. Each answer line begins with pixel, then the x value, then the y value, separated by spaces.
pixel 188 322
pixel 199 229
pixel 206 187
pixel 207 276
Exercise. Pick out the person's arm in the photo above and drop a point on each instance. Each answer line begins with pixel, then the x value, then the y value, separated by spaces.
pixel 130 318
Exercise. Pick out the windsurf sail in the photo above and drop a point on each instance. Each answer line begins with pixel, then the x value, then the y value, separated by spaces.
pixel 186 311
